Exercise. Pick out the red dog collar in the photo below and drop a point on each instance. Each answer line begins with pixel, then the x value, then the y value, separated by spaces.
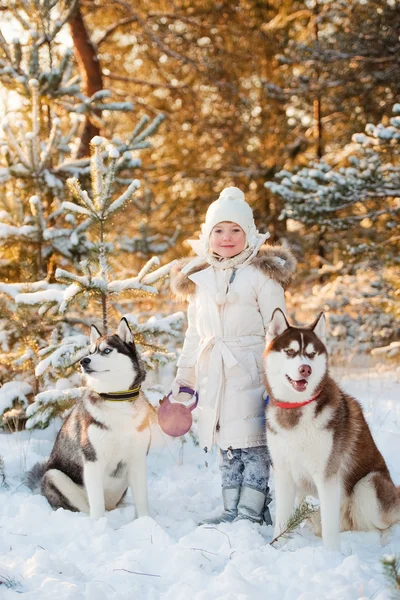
pixel 295 404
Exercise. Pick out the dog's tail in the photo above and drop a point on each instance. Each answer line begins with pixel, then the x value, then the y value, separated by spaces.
pixel 34 477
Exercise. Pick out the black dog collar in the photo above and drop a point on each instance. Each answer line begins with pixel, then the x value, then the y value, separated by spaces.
pixel 122 396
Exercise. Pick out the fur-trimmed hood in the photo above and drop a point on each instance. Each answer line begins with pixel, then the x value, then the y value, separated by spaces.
pixel 275 261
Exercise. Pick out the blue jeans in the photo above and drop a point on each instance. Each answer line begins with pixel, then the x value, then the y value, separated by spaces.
pixel 245 467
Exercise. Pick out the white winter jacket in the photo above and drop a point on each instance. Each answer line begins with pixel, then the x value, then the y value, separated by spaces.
pixel 224 343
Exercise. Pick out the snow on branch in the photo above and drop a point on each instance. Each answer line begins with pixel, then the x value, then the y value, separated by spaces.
pixel 133 283
pixel 158 273
pixel 14 391
pixel 367 188
pixel 123 198
pixel 50 403
pixel 171 325
pixel 25 233
pixel 143 278
pixel 103 177
pixel 82 196
pixel 13 289
pixel 75 208
pixel 148 267
pixel 45 300
pixel 71 350
pixel 148 131
pixel 390 351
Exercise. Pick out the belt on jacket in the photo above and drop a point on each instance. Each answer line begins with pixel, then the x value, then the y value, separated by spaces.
pixel 221 356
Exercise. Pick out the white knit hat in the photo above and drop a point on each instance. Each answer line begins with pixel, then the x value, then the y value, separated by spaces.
pixel 230 206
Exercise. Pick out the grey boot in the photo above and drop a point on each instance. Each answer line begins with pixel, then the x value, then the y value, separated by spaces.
pixel 252 505
pixel 266 514
pixel 230 499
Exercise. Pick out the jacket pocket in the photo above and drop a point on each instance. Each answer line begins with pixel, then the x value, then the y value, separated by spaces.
pixel 254 370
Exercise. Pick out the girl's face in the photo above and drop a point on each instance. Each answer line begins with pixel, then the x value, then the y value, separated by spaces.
pixel 227 239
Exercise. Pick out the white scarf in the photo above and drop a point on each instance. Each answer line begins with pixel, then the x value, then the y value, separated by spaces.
pixel 205 255
pixel 217 262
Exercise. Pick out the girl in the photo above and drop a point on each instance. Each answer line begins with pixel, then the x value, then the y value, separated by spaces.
pixel 233 287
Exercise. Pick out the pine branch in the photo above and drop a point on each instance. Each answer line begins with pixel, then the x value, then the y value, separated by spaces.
pixel 81 195
pixel 156 122
pixel 152 84
pixel 123 199
pixel 14 145
pixel 139 127
pixel 75 208
pixel 59 24
pixel 110 30
pixel 96 171
pixel 391 567
pixel 300 514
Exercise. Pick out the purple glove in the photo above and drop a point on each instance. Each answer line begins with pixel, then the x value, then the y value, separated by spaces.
pixel 176 395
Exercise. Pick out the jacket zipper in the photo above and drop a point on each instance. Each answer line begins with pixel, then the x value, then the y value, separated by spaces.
pixel 231 280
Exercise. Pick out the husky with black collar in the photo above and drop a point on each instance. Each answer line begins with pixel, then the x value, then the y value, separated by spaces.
pixel 319 440
pixel 101 448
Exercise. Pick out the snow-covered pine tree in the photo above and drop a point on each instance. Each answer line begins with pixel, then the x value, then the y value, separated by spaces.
pixel 40 227
pixel 333 74
pixel 148 240
pixel 355 205
pixel 354 200
pixel 97 283
pixel 336 69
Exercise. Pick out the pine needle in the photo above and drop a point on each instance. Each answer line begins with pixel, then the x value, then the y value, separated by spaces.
pixel 300 514
pixel 391 568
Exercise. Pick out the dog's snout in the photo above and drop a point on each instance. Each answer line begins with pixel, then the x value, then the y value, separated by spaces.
pixel 305 370
pixel 85 361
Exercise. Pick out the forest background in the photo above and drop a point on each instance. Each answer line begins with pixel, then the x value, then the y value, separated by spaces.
pixel 296 103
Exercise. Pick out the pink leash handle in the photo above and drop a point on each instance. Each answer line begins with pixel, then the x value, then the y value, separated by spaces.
pixel 188 390
pixel 175 418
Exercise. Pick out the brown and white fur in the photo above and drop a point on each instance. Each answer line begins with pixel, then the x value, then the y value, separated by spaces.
pixel 324 448
pixel 101 448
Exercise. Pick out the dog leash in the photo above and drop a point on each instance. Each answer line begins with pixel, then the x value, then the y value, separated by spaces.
pixel 122 396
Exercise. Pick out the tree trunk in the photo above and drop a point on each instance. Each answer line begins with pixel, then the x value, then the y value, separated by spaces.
pixel 90 70
pixel 317 104
pixel 317 107
pixel 318 127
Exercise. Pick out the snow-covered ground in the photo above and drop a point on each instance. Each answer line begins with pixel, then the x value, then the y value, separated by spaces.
pixel 61 555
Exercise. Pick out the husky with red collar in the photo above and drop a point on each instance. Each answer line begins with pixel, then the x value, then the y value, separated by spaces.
pixel 319 440
pixel 101 448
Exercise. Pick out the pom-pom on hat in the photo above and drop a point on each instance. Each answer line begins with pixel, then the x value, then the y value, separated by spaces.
pixel 230 206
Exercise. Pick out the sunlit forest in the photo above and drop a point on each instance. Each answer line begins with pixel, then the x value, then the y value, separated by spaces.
pixel 122 121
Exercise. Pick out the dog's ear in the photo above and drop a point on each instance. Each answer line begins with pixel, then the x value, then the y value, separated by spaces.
pixel 94 334
pixel 277 325
pixel 124 331
pixel 319 327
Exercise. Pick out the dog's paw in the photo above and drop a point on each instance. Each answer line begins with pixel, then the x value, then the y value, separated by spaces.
pixel 315 522
pixel 332 543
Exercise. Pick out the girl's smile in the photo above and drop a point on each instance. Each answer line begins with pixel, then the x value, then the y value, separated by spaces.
pixel 227 239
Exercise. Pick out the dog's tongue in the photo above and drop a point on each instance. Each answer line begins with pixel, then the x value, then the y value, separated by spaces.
pixel 300 385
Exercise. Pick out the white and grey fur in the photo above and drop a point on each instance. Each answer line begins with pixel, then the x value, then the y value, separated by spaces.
pixel 101 448
pixel 324 448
